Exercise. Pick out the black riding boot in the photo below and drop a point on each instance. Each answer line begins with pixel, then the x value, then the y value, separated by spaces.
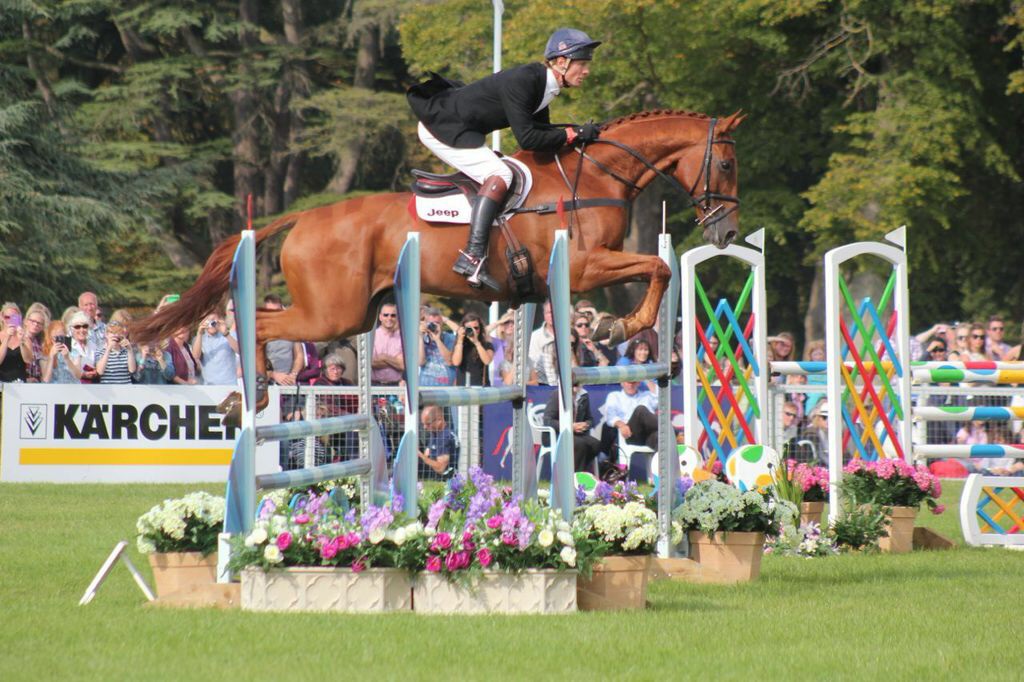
pixel 472 263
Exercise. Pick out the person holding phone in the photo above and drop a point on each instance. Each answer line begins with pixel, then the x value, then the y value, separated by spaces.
pixel 15 348
pixel 83 351
pixel 117 365
pixel 473 352
pixel 215 349
pixel 58 367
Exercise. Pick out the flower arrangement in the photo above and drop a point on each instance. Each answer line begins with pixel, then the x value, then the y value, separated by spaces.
pixel 807 541
pixel 187 524
pixel 711 507
pixel 629 528
pixel 319 532
pixel 892 483
pixel 476 526
pixel 813 480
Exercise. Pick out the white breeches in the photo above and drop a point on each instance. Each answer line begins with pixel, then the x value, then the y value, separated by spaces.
pixel 479 163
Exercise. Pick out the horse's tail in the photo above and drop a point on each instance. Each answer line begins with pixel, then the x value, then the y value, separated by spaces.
pixel 206 293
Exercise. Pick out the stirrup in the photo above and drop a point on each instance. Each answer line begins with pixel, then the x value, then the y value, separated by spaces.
pixel 474 279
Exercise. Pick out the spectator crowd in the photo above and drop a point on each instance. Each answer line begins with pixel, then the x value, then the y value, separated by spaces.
pixel 83 345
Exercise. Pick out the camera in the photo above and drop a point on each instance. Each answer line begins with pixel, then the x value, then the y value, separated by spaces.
pixel 62 339
pixel 470 332
pixel 213 324
pixel 432 327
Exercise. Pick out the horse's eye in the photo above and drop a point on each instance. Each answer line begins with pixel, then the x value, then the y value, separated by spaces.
pixel 725 165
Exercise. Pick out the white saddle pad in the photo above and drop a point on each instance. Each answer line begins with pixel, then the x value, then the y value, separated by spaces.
pixel 455 208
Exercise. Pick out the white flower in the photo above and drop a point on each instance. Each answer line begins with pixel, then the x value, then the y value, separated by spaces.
pixel 565 537
pixel 399 538
pixel 278 524
pixel 568 555
pixel 145 545
pixel 430 532
pixel 273 554
pixel 257 537
pixel 413 530
pixel 545 538
pixel 376 535
pixel 562 526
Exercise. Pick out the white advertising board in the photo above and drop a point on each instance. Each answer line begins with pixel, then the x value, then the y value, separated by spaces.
pixel 111 434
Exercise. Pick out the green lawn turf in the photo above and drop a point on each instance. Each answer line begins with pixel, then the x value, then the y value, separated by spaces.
pixel 922 616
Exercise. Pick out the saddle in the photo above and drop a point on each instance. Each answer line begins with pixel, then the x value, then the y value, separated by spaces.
pixel 449 198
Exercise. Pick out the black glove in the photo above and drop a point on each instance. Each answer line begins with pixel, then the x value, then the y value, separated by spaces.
pixel 586 133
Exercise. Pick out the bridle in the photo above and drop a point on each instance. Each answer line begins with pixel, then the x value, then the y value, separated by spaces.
pixel 713 212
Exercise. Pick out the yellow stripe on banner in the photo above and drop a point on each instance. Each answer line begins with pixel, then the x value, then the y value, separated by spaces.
pixel 127 457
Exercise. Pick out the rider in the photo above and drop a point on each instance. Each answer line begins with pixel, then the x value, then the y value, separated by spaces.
pixel 455 119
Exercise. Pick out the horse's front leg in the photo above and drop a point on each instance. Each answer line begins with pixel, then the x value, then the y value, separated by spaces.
pixel 602 267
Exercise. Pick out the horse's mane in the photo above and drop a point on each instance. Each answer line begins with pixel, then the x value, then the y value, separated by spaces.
pixel 652 114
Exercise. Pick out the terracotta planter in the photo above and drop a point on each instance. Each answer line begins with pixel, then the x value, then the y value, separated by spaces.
pixel 373 590
pixel 901 531
pixel 179 571
pixel 532 591
pixel 728 557
pixel 618 582
pixel 811 511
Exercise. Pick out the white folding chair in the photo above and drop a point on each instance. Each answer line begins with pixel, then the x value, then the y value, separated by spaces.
pixel 535 415
pixel 627 450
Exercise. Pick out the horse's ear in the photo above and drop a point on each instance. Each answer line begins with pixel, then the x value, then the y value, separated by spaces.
pixel 732 122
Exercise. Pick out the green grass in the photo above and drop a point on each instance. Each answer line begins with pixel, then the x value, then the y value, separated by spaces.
pixel 922 616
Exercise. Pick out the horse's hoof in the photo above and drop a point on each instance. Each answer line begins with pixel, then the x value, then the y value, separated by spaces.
pixel 618 334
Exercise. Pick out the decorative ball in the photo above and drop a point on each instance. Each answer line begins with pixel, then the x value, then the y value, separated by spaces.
pixel 689 461
pixel 750 467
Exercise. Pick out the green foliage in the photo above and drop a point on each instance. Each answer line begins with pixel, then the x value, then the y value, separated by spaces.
pixel 860 526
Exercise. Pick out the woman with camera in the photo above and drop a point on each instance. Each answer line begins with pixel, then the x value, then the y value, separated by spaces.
pixel 58 367
pixel 215 350
pixel 117 363
pixel 472 353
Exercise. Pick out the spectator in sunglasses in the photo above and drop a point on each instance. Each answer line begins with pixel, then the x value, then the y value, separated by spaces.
pixel 994 344
pixel 83 351
pixel 976 344
pixel 388 363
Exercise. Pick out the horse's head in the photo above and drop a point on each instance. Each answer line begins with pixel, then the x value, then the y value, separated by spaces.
pixel 709 170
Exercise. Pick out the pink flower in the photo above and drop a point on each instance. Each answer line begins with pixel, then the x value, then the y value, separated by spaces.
pixel 939 508
pixel 451 562
pixel 284 541
pixel 301 518
pixel 330 549
pixel 433 563
pixel 353 539
pixel 484 557
pixel 358 566
pixel 467 536
pixel 494 522
pixel 443 540
pixel 508 538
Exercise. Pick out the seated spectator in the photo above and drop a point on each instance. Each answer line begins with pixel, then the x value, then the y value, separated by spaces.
pixel 15 347
pixel 781 348
pixel 116 364
pixel 83 352
pixel 296 449
pixel 586 448
pixel 994 344
pixel 817 432
pixel 631 412
pixel 940 432
pixel 155 366
pixel 589 353
pixel 215 349
pixel 439 454
pixel 436 345
pixel 346 350
pixel 388 362
pixel 37 319
pixel 473 352
pixel 58 367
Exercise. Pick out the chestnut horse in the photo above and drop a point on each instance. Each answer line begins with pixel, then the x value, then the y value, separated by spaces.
pixel 339 260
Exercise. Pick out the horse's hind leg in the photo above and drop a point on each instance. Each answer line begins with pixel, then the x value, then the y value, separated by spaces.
pixel 603 268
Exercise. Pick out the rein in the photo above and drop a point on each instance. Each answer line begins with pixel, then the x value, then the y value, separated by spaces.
pixel 712 212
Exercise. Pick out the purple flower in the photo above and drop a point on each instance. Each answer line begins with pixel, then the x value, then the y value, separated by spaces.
pixel 603 492
pixel 581 494
pixel 397 502
pixel 350 516
pixel 683 486
pixel 267 509
pixel 435 513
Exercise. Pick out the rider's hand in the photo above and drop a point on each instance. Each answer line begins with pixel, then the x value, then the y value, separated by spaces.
pixel 586 133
